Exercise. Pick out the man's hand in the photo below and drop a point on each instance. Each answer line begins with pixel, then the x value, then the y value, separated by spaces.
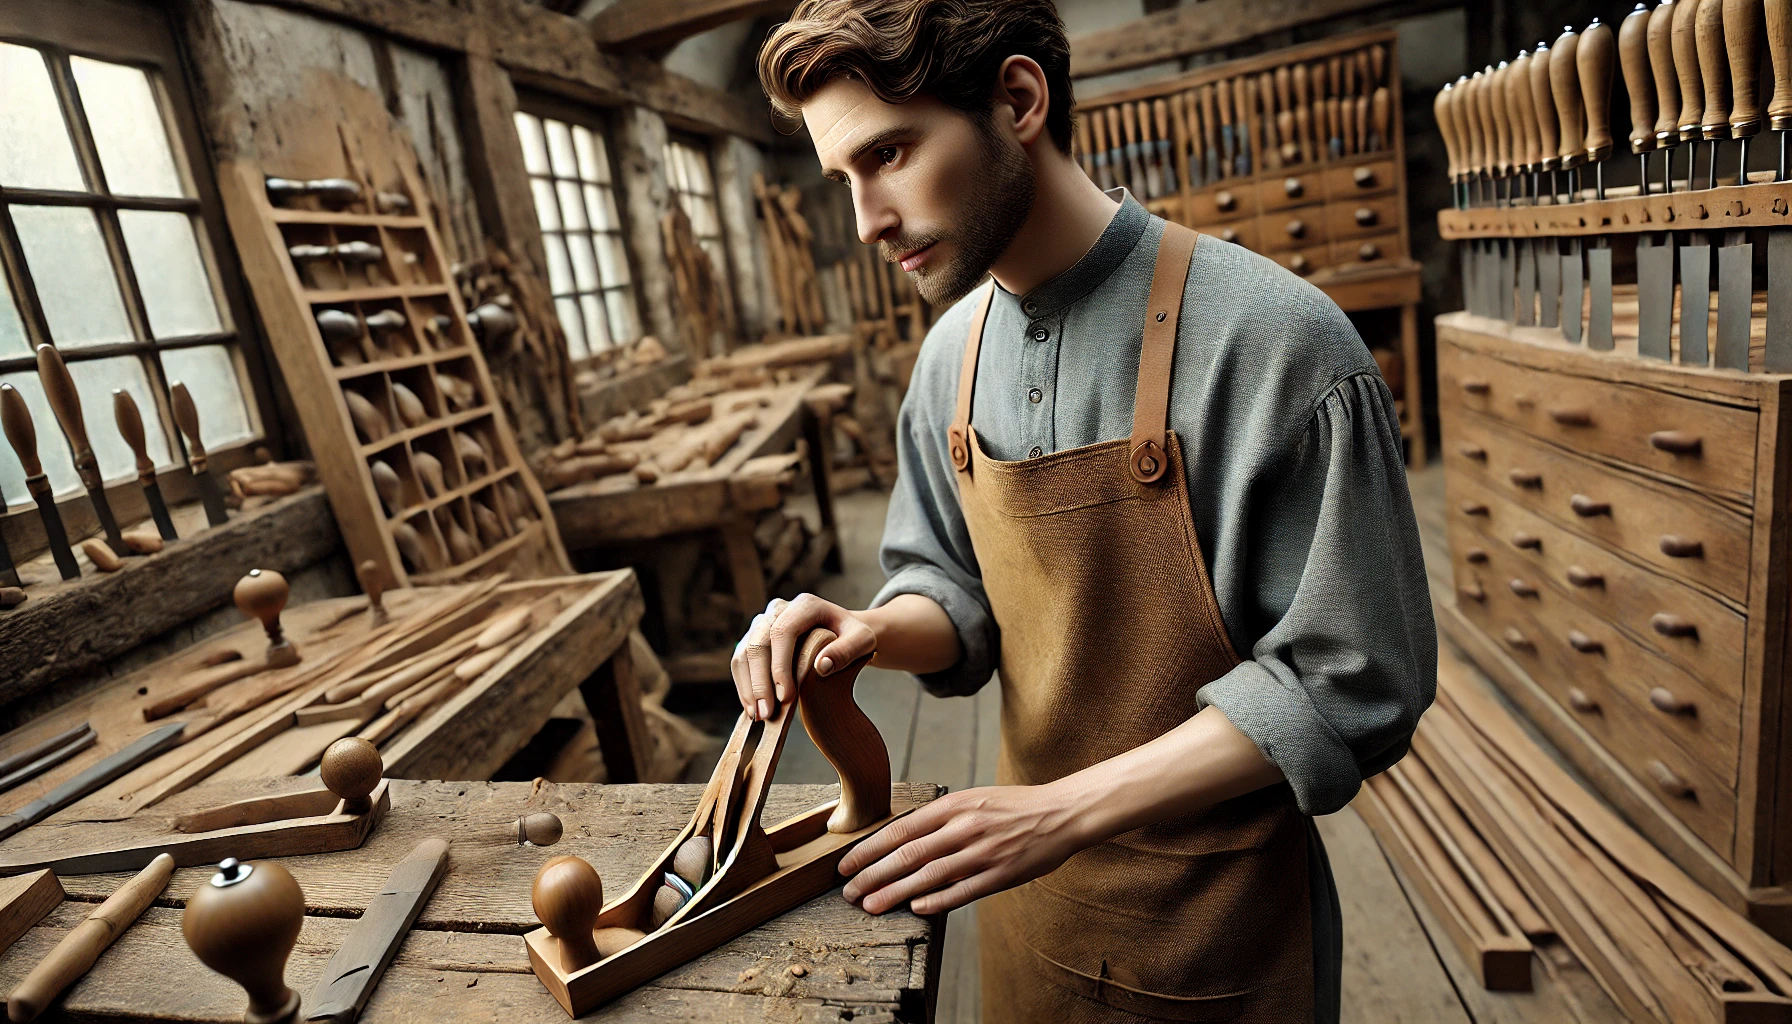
pixel 762 666
pixel 962 847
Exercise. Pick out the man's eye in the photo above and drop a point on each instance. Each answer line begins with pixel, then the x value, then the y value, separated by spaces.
pixel 887 155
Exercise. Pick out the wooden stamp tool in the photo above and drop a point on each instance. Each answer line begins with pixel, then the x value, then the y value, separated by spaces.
pixel 243 923
pixel 65 402
pixel 262 594
pixel 130 427
pixel 349 978
pixel 338 817
pixel 186 416
pixel 77 951
pixel 590 952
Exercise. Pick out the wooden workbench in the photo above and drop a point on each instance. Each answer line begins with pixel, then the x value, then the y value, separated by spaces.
pixel 466 960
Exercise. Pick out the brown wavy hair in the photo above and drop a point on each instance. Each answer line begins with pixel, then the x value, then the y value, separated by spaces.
pixel 948 49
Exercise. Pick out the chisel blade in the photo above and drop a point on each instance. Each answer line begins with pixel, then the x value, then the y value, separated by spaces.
pixel 1572 280
pixel 1490 278
pixel 1655 296
pixel 1735 293
pixel 1549 283
pixel 158 510
pixel 1507 280
pixel 9 574
pixel 1599 285
pixel 347 983
pixel 1527 282
pixel 1695 301
pixel 53 531
pixel 1465 254
pixel 216 514
pixel 1779 301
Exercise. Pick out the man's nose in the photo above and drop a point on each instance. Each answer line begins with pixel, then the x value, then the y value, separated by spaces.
pixel 876 220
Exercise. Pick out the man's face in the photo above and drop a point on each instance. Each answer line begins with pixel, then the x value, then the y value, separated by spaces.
pixel 940 191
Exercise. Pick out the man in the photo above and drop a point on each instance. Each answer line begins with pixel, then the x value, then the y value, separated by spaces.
pixel 1158 485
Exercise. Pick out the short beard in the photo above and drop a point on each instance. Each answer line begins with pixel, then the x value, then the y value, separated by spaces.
pixel 991 211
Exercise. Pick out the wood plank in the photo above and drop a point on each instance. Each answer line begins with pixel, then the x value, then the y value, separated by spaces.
pixel 613 696
pixel 24 901
pixel 658 25
pixel 1211 25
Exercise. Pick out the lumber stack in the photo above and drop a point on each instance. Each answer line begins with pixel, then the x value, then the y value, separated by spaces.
pixel 790 258
pixel 1503 844
pixel 705 319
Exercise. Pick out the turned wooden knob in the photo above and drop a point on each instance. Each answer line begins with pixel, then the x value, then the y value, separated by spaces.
pixel 1525 477
pixel 1572 417
pixel 1368 251
pixel 1676 546
pixel 1579 701
pixel 262 595
pixel 1299 263
pixel 567 897
pixel 351 768
pixel 1676 442
pixel 1225 200
pixel 1473 451
pixel 1584 643
pixel 1527 540
pixel 337 326
pixel 1522 588
pixel 1669 624
pixel 1229 234
pixel 1584 578
pixel 373 581
pixel 1364 177
pixel 1475 387
pixel 1668 782
pixel 539 829
pixel 1518 641
pixel 1665 701
pixel 243 924
pixel 1473 508
pixel 1296 228
pixel 1472 591
pixel 1587 507
pixel 1475 556
pixel 1293 187
pixel 1365 216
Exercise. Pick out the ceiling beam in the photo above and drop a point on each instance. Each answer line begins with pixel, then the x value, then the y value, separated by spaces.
pixel 1196 28
pixel 640 26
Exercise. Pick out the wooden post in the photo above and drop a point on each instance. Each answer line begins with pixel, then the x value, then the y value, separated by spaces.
pixel 613 696
pixel 495 156
pixel 640 140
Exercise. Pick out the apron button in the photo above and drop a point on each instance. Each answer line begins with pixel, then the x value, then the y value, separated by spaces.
pixel 1035 396
pixel 1036 452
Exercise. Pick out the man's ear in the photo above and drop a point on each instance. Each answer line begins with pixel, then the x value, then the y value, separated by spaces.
pixel 1021 91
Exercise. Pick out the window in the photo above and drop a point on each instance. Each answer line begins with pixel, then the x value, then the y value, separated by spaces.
pixel 687 171
pixel 581 229
pixel 105 254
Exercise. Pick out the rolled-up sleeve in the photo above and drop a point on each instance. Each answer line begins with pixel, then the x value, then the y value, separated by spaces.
pixel 1335 685
pixel 926 546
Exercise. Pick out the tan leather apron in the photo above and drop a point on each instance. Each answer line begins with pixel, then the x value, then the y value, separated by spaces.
pixel 1109 625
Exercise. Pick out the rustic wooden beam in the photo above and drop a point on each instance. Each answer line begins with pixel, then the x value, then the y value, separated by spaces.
pixel 656 25
pixel 495 157
pixel 1199 27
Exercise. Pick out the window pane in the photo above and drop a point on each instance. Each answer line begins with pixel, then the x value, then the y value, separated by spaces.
pixel 560 149
pixel 572 206
pixel 95 379
pixel 611 264
pixel 703 219
pixel 34 148
pixel 675 168
pixel 535 148
pixel 177 291
pixel 573 325
pixel 718 257
pixel 52 450
pixel 547 211
pixel 584 263
pixel 128 129
pixel 73 275
pixel 596 329
pixel 209 373
pixel 590 150
pixel 601 208
pixel 559 269
pixel 625 322
pixel 12 330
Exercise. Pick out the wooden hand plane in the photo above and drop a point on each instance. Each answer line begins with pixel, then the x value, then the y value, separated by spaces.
pixel 589 952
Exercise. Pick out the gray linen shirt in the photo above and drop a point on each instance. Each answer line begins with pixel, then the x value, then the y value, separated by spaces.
pixel 1291 450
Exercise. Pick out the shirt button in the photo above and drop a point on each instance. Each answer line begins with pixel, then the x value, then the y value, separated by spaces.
pixel 1031 307
pixel 1036 452
pixel 1040 334
pixel 1035 395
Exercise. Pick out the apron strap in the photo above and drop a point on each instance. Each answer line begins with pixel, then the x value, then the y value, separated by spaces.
pixel 958 436
pixel 1151 405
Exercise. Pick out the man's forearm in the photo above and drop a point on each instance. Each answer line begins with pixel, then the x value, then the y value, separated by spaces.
pixel 914 634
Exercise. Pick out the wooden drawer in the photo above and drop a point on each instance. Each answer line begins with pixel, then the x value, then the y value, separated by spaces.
pixel 1291 190
pixel 1708 445
pixel 1367 252
pixel 1688 627
pixel 1243 232
pixel 1222 204
pixel 1304 261
pixel 1347 219
pixel 1368 179
pixel 1689 790
pixel 1299 228
pixel 1705 723
pixel 1684 534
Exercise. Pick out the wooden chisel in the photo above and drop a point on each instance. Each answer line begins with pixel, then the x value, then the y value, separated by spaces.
pixel 1209 121
pixel 29 754
pixel 1143 146
pixel 1285 115
pixel 1778 357
pixel 1506 280
pixel 1462 100
pixel 74 956
pixel 1168 179
pixel 1129 123
pixel 1564 88
pixel 1085 143
pixel 130 427
pixel 1708 37
pixel 1117 151
pixel 1228 134
pixel 1244 95
pixel 1303 114
pixel 65 402
pixel 15 418
pixel 1655 253
pixel 348 980
pixel 1593 61
pixel 1695 63
pixel 1778 15
pixel 1740 24
pixel 78 741
pixel 1264 110
pixel 1525 149
pixel 1182 127
pixel 1445 114
pixel 1653 310
pixel 9 573
pixel 1549 264
pixel 1098 130
pixel 144 747
pixel 186 416
pixel 1492 270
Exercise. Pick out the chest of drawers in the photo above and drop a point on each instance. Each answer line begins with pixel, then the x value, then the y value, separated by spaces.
pixel 1619 549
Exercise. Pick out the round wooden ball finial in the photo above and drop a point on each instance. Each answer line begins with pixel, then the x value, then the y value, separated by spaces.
pixel 373 581
pixel 262 595
pixel 351 768
pixel 243 924
pixel 541 828
pixel 567 897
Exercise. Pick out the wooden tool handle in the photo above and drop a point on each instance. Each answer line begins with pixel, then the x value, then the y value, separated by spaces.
pixel 15 418
pixel 1224 90
pixel 1502 117
pixel 1708 32
pixel 1468 122
pixel 1742 40
pixel 1085 143
pixel 1381 104
pixel 1445 112
pixel 186 417
pixel 1667 81
pixel 1543 102
pixel 1490 152
pixel 1593 59
pixel 1633 55
pixel 130 427
pixel 1334 67
pixel 1778 15
pixel 1564 86
pixel 1686 63
pixel 77 951
pixel 65 401
pixel 844 735
pixel 1160 116
pixel 1527 150
pixel 1284 79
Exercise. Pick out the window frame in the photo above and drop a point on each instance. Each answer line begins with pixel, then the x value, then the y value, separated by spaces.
pixel 596 120
pixel 725 271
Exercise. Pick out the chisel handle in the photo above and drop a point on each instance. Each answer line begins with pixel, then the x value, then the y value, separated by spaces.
pixel 1381 109
pixel 1686 62
pixel 186 417
pixel 1633 56
pixel 1543 102
pixel 1490 154
pixel 1084 142
pixel 1283 82
pixel 1564 85
pixel 1468 116
pixel 1445 112
pixel 1525 150
pixel 1742 40
pixel 1778 15
pixel 1378 62
pixel 15 417
pixel 130 427
pixel 1667 83
pixel 65 402
pixel 74 956
pixel 1593 59
pixel 1708 32
pixel 1502 117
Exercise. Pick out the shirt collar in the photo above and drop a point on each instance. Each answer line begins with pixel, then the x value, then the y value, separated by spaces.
pixel 1117 241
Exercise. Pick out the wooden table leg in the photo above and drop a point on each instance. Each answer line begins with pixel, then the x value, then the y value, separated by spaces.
pixel 744 565
pixel 819 433
pixel 1414 388
pixel 613 696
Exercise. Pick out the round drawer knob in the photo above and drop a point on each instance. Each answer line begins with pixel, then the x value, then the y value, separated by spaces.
pixel 1676 442
pixel 1299 263
pixel 1572 417
pixel 1584 578
pixel 1522 589
pixel 1527 540
pixel 1225 200
pixel 1472 591
pixel 1579 701
pixel 1584 643
pixel 1475 386
pixel 1365 216
pixel 1665 702
pixel 1475 556
pixel 1293 187
pixel 1518 641
pixel 1472 508
pixel 1669 624
pixel 1586 507
pixel 1368 251
pixel 1296 228
pixel 1364 177
pixel 1667 781
pixel 1229 234
pixel 1473 451
pixel 1525 477
pixel 1675 546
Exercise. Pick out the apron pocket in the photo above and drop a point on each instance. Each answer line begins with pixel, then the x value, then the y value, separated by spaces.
pixel 1153 1005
